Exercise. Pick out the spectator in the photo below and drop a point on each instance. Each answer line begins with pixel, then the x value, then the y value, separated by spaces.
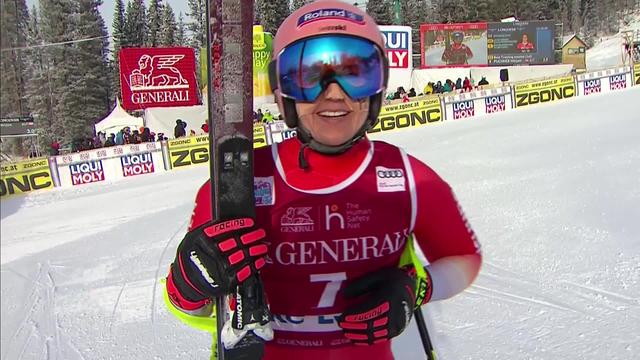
pixel 152 137
pixel 126 135
pixel 412 92
pixel 135 137
pixel 180 130
pixel 192 133
pixel 144 136
pixel 55 148
pixel 428 90
pixel 259 115
pixel 267 117
pixel 120 137
pixel 161 137
pixel 459 84
pixel 447 87
pixel 110 140
pixel 467 84
pixel 205 128
pixel 438 88
pixel 483 81
pixel 102 137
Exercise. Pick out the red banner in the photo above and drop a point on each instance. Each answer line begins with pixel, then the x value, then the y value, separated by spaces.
pixel 158 77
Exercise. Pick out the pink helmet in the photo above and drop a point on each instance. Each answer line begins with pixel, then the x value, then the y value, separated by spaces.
pixel 318 18
pixel 326 17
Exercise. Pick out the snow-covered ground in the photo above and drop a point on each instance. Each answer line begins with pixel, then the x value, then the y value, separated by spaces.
pixel 607 52
pixel 552 191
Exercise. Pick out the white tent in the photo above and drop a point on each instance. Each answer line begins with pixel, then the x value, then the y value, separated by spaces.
pixel 117 120
pixel 163 119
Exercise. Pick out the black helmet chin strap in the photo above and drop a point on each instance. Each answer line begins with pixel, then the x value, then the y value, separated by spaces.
pixel 307 140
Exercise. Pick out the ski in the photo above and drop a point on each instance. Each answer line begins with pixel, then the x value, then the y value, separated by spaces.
pixel 241 331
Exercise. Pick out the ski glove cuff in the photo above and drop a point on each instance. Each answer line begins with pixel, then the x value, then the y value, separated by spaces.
pixel 214 258
pixel 386 309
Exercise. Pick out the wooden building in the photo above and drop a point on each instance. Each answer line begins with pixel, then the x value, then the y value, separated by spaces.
pixel 574 51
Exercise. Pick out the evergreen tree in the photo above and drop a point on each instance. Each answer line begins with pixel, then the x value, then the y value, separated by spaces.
pixel 169 27
pixel 119 41
pixel 417 14
pixel 84 100
pixel 154 23
pixel 381 11
pixel 297 4
pixel 135 23
pixel 197 26
pixel 181 32
pixel 56 27
pixel 272 13
pixel 14 28
pixel 451 11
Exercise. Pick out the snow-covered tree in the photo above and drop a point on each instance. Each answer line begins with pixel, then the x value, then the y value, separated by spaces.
pixel 14 27
pixel 181 31
pixel 381 11
pixel 154 23
pixel 135 28
pixel 197 26
pixel 297 4
pixel 119 41
pixel 169 27
pixel 272 13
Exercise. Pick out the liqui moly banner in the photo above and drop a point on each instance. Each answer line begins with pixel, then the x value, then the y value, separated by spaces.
pixel 86 172
pixel 604 81
pixel 137 164
pixel 158 77
pixel 477 103
pixel 399 49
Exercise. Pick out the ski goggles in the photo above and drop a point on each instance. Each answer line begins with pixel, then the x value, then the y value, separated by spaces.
pixel 304 69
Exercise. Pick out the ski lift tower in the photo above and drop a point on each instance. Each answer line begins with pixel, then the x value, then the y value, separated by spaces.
pixel 630 46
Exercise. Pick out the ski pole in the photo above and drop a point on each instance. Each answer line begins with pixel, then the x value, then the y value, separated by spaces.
pixel 424 334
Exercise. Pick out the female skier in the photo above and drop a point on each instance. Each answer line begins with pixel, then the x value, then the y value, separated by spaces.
pixel 334 210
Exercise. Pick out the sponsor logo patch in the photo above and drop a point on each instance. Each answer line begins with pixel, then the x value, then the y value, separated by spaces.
pixel 297 219
pixel 322 14
pixel 264 191
pixel 390 180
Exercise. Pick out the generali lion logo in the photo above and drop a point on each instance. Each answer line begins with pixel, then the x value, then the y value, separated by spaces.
pixel 157 72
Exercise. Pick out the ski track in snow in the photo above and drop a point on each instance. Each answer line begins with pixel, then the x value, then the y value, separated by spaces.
pixel 560 279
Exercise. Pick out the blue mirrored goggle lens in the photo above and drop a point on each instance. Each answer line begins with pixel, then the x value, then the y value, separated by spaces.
pixel 307 67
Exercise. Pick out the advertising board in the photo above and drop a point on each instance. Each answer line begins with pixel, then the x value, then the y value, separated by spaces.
pixel 406 115
pixel 544 91
pixel 477 103
pixel 604 81
pixel 25 176
pixel 158 77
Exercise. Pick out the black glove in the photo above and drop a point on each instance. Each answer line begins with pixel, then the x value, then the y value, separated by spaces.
pixel 386 309
pixel 213 259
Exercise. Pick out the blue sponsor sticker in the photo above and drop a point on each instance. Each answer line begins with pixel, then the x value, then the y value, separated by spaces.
pixel 264 191
pixel 322 14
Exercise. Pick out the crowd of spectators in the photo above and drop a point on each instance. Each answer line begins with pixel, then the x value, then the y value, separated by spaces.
pixel 448 86
pixel 101 140
pixel 265 117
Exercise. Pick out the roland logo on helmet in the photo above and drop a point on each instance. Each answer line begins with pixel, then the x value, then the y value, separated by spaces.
pixel 322 14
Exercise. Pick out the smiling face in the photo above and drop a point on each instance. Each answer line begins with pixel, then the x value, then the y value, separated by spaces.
pixel 334 118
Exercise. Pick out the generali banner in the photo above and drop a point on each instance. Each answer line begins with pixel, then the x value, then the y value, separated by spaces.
pixel 158 77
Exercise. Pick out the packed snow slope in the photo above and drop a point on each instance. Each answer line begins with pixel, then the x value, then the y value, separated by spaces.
pixel 552 191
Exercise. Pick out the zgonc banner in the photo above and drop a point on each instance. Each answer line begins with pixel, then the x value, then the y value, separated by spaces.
pixel 636 72
pixel 406 115
pixel 158 77
pixel 25 176
pixel 194 150
pixel 544 91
